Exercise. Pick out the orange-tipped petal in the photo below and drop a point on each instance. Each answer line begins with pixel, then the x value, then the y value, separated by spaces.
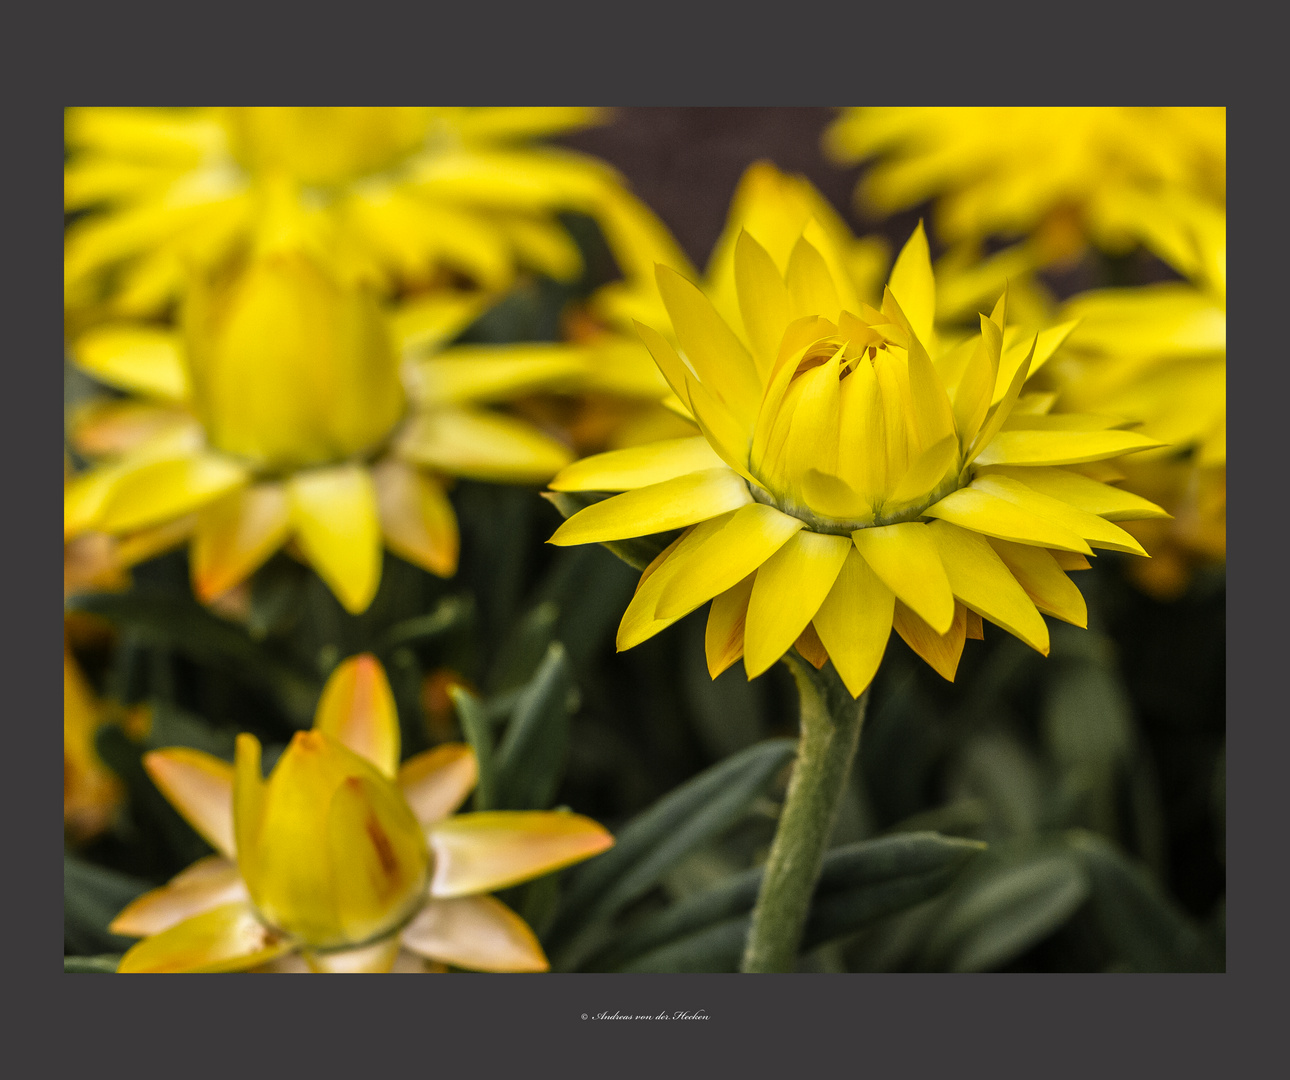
pixel 941 651
pixel 208 883
pixel 477 932
pixel 226 938
pixel 477 853
pixel 200 787
pixel 235 535
pixel 416 517
pixel 357 710
pixel 438 781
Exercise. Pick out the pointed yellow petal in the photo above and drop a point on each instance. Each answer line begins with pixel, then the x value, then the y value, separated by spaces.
pixel 225 938
pixel 996 418
pixel 248 802
pixel 751 535
pixel 482 445
pixel 476 932
pixel 357 710
pixel 985 511
pixel 436 782
pixel 983 582
pixel 335 517
pixel 862 443
pixel 933 415
pixel 763 301
pixel 476 853
pixel 638 466
pixel 1061 447
pixel 200 787
pixel 941 651
pixel 975 628
pixel 728 436
pixel 906 560
pixel 1097 531
pixel 810 285
pixel 373 959
pixel 975 387
pixel 1047 342
pixel 928 470
pixel 156 491
pixel 715 354
pixel 1082 492
pixel 1070 560
pixel 640 620
pixel 417 520
pixel 671 365
pixel 854 623
pixel 789 589
pixel 208 883
pixel 656 508
pixel 723 640
pixel 140 358
pixel 235 535
pixel 808 643
pixel 429 321
pixel 481 373
pixel 1044 581
pixel 913 285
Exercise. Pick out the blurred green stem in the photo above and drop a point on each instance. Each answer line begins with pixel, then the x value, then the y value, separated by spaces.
pixel 831 721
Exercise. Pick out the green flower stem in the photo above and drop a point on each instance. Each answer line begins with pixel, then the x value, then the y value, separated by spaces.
pixel 831 721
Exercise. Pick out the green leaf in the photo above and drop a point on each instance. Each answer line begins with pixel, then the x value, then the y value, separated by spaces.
pixel 531 756
pixel 450 613
pixel 106 964
pixel 475 726
pixel 92 897
pixel 180 623
pixel 1147 930
pixel 1007 904
pixel 637 552
pixel 523 648
pixel 858 884
pixel 658 838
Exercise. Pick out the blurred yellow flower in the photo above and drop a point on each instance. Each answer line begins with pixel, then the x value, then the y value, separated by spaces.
pixel 343 857
pixel 1066 175
pixel 1158 355
pixel 415 195
pixel 290 408
pixel 852 474
pixel 90 791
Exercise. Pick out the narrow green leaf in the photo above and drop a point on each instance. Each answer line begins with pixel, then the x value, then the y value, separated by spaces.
pixel 450 613
pixel 530 758
pixel 92 897
pixel 105 964
pixel 523 649
pixel 474 724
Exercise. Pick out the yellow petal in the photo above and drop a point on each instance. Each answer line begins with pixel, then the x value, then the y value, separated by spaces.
pixel 476 932
pixel 906 559
pixel 208 883
pixel 942 652
pixel 790 587
pixel 854 623
pixel 436 782
pixel 763 301
pixel 715 354
pixel 1060 447
pixel 483 445
pixel 913 285
pixel 1097 531
pixel 751 535
pixel 357 710
pixel 986 511
pixel 1047 342
pixel 983 582
pixel 1082 492
pixel 431 320
pixel 723 639
pixel 975 627
pixel 200 787
pixel 1044 580
pixel 248 802
pixel 417 520
pixel 808 643
pixel 145 359
pixel 656 508
pixel 372 959
pixel 481 373
pixel 640 620
pixel 235 535
pixel 810 285
pixel 335 517
pixel 728 435
pixel 225 938
pixel 671 365
pixel 158 490
pixel 928 470
pixel 1070 560
pixel 638 466
pixel 476 853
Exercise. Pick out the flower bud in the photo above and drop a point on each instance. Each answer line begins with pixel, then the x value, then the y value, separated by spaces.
pixel 333 854
pixel 289 366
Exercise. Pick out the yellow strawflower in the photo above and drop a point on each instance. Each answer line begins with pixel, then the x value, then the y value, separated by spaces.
pixel 344 858
pixel 1067 175
pixel 290 408
pixel 1158 355
pixel 416 195
pixel 852 474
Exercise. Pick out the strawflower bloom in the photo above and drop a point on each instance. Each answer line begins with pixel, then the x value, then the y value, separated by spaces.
pixel 342 857
pixel 290 408
pixel 1067 175
pixel 417 195
pixel 849 476
pixel 1158 355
